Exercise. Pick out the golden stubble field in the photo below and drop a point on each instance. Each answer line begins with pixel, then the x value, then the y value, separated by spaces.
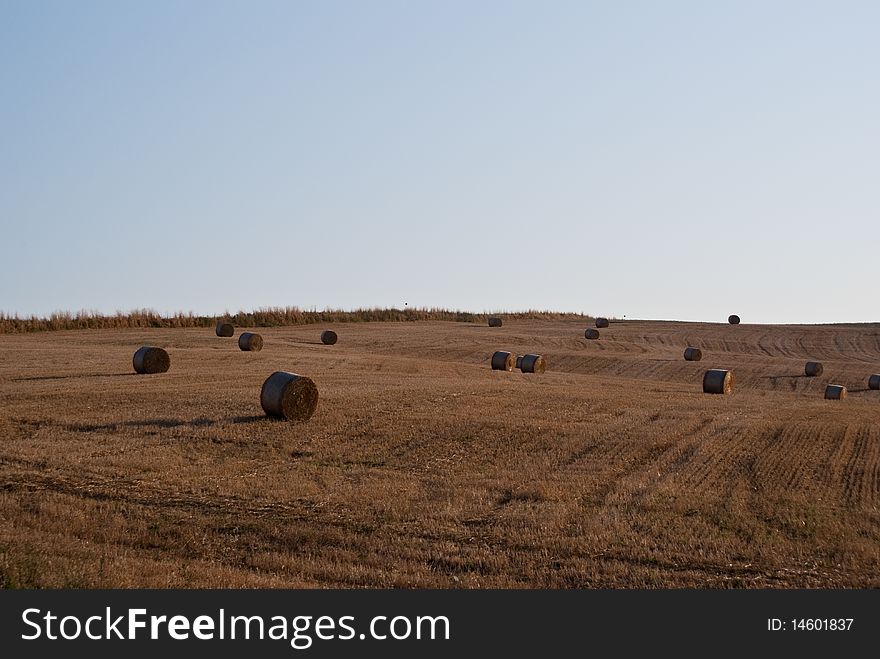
pixel 424 468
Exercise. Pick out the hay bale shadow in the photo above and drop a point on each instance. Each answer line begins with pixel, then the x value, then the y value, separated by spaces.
pixel 37 378
pixel 114 426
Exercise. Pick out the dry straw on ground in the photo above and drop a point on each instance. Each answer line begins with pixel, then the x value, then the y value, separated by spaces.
pixel 180 480
pixel 503 361
pixel 835 392
pixel 329 337
pixel 813 369
pixel 289 396
pixel 533 364
pixel 591 334
pixel 250 342
pixel 494 322
pixel 149 359
pixel 224 329
pixel 717 381
pixel 601 322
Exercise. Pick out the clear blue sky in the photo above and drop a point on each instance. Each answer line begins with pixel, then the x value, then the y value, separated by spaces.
pixel 680 160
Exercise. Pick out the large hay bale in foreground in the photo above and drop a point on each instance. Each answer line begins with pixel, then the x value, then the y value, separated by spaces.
pixel 733 319
pixel 692 354
pixel 874 382
pixel 717 381
pixel 813 369
pixel 532 364
pixel 289 396
pixel 494 322
pixel 150 359
pixel 591 334
pixel 601 322
pixel 835 392
pixel 329 337
pixel 224 329
pixel 250 342
pixel 502 361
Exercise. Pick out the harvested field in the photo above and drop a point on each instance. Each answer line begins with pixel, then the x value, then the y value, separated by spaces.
pixel 424 468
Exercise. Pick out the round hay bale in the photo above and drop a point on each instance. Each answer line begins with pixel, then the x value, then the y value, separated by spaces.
pixel 532 364
pixel 494 322
pixel 692 354
pixel 835 392
pixel 874 382
pixel 149 359
pixel 518 361
pixel 225 329
pixel 733 320
pixel 289 396
pixel 813 369
pixel 591 334
pixel 503 361
pixel 601 322
pixel 329 337
pixel 250 342
pixel 717 381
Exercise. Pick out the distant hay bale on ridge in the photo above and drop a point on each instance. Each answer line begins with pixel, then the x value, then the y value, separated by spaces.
pixel 717 381
pixel 503 361
pixel 591 334
pixel 329 337
pixel 693 354
pixel 874 382
pixel 532 364
pixel 733 319
pixel 250 342
pixel 601 322
pixel 835 392
pixel 225 329
pixel 289 396
pixel 494 322
pixel 813 369
pixel 150 359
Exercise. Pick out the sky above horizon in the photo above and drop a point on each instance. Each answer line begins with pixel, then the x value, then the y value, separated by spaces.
pixel 670 160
